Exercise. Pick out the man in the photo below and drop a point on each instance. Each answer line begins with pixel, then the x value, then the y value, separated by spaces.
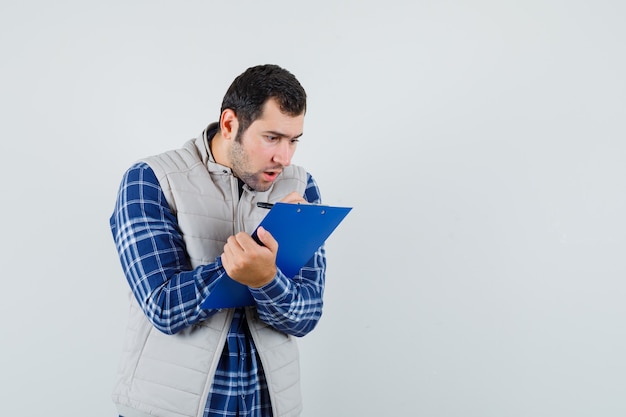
pixel 182 221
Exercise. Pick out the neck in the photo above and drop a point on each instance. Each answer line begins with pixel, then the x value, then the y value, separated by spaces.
pixel 218 147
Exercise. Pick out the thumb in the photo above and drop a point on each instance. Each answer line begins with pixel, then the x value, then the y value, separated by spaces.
pixel 267 239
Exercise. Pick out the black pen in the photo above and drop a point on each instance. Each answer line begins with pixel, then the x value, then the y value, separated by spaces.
pixel 264 205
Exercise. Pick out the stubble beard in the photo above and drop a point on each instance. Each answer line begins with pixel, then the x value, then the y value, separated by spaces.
pixel 239 161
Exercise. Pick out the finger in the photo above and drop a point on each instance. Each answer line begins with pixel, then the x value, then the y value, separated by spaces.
pixel 293 197
pixel 232 245
pixel 232 256
pixel 232 252
pixel 267 239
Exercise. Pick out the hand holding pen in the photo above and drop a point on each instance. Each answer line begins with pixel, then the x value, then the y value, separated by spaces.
pixel 293 198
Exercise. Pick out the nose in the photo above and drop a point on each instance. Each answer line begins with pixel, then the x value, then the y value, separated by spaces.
pixel 283 154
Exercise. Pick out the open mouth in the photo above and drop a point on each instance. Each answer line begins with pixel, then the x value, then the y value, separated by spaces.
pixel 270 175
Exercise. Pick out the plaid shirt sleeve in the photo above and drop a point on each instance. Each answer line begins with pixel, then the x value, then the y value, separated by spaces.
pixel 152 254
pixel 294 306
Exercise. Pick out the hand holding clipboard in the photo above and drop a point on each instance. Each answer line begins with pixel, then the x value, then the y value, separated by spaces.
pixel 299 229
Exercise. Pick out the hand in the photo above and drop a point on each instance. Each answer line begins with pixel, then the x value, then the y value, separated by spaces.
pixel 294 198
pixel 249 263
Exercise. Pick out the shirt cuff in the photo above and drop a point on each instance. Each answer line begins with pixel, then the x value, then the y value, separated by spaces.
pixel 273 291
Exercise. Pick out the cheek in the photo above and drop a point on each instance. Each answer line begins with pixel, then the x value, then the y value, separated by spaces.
pixel 260 157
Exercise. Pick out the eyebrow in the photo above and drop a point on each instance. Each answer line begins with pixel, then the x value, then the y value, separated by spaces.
pixel 282 135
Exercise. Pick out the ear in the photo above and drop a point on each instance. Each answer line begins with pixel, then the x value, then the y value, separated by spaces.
pixel 229 124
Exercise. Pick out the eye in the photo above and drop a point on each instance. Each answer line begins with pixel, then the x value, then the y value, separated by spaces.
pixel 271 138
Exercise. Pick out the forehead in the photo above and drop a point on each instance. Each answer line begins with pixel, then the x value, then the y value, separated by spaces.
pixel 275 120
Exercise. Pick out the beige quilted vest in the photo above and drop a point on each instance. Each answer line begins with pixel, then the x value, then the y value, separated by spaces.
pixel 170 375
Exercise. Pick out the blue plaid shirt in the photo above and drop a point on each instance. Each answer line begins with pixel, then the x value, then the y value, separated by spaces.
pixel 152 254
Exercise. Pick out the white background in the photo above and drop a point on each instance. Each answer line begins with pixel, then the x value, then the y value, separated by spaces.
pixel 481 144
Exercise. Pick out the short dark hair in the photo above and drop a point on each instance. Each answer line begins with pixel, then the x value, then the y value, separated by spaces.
pixel 249 92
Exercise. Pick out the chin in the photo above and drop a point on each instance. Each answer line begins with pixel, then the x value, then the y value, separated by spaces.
pixel 258 184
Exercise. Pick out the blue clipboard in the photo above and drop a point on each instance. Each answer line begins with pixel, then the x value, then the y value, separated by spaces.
pixel 299 229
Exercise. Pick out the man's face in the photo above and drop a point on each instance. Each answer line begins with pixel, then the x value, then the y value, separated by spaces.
pixel 260 153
